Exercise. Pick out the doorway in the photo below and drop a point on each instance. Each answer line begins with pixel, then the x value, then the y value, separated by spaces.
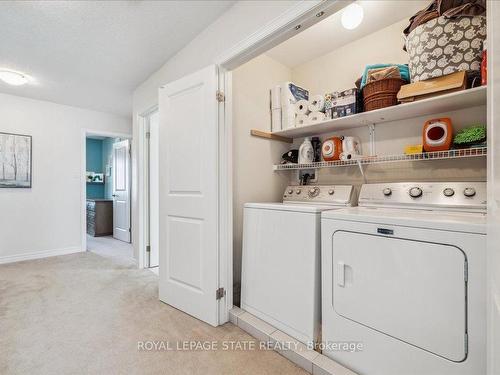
pixel 106 208
pixel 151 253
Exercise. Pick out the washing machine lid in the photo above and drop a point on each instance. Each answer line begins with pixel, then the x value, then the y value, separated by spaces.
pixel 466 222
pixel 292 207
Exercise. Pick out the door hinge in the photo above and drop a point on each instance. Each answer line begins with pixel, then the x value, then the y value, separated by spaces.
pixel 220 293
pixel 220 96
pixel 148 248
pixel 148 135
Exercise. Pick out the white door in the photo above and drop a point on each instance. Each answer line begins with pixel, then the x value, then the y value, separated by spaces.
pixel 153 253
pixel 493 187
pixel 121 190
pixel 189 195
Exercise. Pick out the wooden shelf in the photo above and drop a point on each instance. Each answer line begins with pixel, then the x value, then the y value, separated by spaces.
pixel 439 155
pixel 425 107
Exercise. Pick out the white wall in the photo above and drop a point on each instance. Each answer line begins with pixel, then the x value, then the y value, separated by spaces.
pixel 253 177
pixel 46 219
pixel 235 25
pixel 339 69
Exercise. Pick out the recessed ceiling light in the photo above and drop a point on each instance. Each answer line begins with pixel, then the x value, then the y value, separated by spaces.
pixel 352 16
pixel 13 78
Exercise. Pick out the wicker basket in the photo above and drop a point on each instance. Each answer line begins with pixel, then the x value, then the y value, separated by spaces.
pixel 382 93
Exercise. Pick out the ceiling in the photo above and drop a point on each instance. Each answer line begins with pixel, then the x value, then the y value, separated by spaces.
pixel 329 34
pixel 93 54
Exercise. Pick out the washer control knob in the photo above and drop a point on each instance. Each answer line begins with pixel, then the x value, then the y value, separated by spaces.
pixel 387 191
pixel 313 192
pixel 290 191
pixel 415 192
pixel 331 191
pixel 298 191
pixel 469 192
pixel 449 192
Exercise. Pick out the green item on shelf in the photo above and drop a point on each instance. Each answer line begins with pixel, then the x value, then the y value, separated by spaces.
pixel 470 136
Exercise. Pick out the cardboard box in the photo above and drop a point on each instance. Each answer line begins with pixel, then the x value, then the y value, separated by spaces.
pixel 344 103
pixel 433 87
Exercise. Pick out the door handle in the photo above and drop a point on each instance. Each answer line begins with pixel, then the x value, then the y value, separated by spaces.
pixel 114 195
pixel 341 274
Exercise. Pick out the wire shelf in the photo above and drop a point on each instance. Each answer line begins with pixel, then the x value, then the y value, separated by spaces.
pixel 438 155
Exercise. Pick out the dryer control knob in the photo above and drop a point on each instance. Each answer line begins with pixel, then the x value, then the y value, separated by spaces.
pixel 290 191
pixel 469 192
pixel 449 192
pixel 298 191
pixel 331 191
pixel 415 192
pixel 387 191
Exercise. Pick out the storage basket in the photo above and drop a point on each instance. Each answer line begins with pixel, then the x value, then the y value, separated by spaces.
pixel 445 45
pixel 382 93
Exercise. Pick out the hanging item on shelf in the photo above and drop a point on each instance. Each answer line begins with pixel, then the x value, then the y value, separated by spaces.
pixel 290 95
pixel 404 73
pixel 317 103
pixel 302 107
pixel 291 156
pixel 382 93
pixel 432 87
pixel 351 148
pixel 306 152
pixel 343 103
pixel 437 135
pixel 315 117
pixel 414 149
pixel 484 64
pixel 473 136
pixel 301 120
pixel 446 45
pixel 331 149
pixel 316 143
pixel 275 94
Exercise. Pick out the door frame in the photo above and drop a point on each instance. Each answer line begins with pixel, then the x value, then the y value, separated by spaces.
pixel 143 185
pixel 297 18
pixel 83 180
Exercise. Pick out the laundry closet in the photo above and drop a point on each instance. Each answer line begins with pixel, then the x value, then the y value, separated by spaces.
pixel 427 136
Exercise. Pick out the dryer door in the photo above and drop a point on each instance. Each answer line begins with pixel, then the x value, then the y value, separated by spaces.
pixel 413 291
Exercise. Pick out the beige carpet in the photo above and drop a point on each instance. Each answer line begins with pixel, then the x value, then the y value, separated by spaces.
pixel 107 246
pixel 84 314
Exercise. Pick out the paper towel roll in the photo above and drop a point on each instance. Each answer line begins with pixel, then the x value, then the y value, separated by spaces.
pixel 276 120
pixel 288 117
pixel 302 107
pixel 276 97
pixel 315 117
pixel 317 103
pixel 301 120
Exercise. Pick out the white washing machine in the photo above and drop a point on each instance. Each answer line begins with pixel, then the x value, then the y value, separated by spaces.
pixel 404 276
pixel 281 258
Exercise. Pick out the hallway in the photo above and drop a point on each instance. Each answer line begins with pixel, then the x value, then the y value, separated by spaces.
pixel 86 313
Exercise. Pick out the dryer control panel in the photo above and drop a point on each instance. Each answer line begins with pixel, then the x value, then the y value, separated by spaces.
pixel 454 196
pixel 320 194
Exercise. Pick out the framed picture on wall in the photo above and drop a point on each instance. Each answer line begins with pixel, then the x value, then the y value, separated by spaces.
pixel 15 160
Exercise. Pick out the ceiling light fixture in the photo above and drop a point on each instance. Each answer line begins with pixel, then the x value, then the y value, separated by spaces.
pixel 13 78
pixel 352 16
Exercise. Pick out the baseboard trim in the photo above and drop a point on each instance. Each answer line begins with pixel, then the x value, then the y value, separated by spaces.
pixel 39 254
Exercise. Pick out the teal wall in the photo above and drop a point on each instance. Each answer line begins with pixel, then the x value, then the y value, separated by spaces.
pixel 94 164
